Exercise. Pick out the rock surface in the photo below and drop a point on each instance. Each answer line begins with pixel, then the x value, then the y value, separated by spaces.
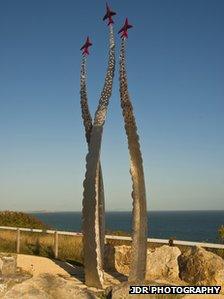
pixel 162 262
pixel 8 264
pixel 48 286
pixel 201 267
pixel 118 258
pixel 10 274
pixel 63 280
pixel 37 265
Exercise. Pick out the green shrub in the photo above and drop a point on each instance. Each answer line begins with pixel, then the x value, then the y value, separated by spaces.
pixel 221 233
pixel 19 219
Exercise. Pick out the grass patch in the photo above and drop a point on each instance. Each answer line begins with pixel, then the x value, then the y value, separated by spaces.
pixel 42 244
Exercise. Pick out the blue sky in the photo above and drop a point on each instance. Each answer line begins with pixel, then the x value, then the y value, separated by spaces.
pixel 175 71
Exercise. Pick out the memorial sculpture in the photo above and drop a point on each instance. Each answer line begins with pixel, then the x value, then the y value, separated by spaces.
pixel 93 195
pixel 93 213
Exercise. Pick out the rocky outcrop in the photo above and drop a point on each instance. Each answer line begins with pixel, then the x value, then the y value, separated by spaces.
pixel 201 267
pixel 118 258
pixel 8 264
pixel 10 275
pixel 48 286
pixel 162 262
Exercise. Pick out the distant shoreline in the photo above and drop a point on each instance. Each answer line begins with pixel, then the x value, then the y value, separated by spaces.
pixel 121 211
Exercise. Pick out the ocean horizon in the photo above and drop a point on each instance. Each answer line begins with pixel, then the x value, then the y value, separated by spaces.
pixel 191 225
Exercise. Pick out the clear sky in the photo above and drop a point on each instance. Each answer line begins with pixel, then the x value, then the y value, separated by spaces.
pixel 175 70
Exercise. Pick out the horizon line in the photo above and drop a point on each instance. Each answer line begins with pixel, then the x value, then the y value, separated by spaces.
pixel 118 211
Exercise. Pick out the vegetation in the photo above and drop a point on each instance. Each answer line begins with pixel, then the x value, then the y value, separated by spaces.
pixel 42 244
pixel 19 219
pixel 221 233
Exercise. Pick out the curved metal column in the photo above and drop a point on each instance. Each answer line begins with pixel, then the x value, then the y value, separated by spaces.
pixel 139 213
pixel 92 248
pixel 87 122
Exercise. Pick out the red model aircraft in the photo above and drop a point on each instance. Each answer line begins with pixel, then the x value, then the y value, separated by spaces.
pixel 124 29
pixel 86 46
pixel 109 15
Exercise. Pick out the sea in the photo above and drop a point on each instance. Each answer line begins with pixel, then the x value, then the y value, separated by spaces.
pixel 200 226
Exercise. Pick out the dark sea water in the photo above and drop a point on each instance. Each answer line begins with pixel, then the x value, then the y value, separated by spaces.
pixel 182 225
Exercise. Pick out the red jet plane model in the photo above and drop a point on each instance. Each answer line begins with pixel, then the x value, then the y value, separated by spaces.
pixel 109 15
pixel 86 46
pixel 124 29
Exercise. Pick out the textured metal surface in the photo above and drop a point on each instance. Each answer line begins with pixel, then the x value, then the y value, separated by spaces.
pixel 87 121
pixel 86 116
pixel 92 248
pixel 139 213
